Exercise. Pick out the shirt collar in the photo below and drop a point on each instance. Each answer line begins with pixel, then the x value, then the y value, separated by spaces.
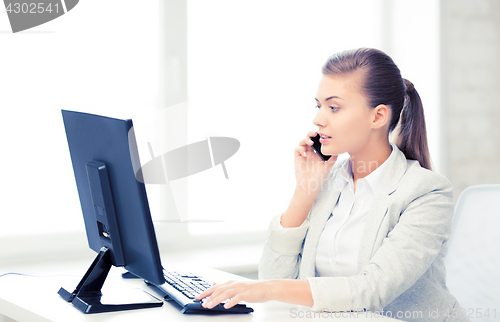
pixel 374 179
pixel 345 174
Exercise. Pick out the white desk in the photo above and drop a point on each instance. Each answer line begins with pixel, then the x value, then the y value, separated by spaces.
pixel 25 298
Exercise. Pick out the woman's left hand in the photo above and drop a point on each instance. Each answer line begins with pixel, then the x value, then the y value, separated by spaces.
pixel 234 292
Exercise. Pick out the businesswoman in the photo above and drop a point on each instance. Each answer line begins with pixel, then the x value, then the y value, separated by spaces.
pixel 369 232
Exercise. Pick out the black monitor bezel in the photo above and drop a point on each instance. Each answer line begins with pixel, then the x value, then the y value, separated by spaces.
pixel 108 140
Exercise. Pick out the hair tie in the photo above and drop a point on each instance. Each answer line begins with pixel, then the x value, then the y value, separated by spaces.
pixel 408 85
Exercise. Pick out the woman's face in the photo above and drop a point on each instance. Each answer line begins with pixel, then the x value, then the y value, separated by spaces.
pixel 344 115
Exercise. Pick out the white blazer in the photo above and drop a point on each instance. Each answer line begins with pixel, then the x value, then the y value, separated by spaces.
pixel 400 262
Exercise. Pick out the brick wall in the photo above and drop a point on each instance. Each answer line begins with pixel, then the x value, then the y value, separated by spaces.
pixel 470 87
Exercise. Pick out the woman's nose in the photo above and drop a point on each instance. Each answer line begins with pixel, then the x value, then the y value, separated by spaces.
pixel 319 118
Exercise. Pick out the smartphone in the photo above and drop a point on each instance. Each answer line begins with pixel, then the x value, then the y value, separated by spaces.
pixel 317 148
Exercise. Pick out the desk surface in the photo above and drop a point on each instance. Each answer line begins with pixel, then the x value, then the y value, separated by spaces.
pixel 27 298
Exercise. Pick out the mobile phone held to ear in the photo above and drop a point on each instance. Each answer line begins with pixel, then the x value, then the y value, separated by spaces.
pixel 317 148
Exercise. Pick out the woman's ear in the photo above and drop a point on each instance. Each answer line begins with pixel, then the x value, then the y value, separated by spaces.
pixel 381 115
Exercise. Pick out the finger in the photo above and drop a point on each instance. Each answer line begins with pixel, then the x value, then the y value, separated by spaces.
pixel 211 302
pixel 232 302
pixel 304 147
pixel 313 134
pixel 300 150
pixel 303 151
pixel 206 293
pixel 306 142
pixel 211 299
pixel 217 298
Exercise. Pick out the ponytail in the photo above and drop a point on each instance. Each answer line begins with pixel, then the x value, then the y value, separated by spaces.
pixel 383 84
pixel 412 136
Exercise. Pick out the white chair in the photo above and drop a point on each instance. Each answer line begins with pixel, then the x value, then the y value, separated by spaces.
pixel 473 260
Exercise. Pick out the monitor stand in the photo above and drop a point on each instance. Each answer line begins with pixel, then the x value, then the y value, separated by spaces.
pixel 87 295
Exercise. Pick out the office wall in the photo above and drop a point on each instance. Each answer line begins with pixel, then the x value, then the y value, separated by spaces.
pixel 470 76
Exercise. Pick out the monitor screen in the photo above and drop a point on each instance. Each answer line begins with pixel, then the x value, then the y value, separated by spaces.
pixel 114 203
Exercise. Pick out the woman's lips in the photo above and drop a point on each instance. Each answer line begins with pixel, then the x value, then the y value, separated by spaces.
pixel 324 138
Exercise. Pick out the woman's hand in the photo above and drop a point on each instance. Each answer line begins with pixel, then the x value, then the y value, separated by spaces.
pixel 310 172
pixel 310 169
pixel 284 290
pixel 236 291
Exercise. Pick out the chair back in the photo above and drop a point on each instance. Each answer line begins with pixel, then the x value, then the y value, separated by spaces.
pixel 473 259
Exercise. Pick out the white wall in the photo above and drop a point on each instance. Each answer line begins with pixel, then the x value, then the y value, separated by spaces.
pixel 470 109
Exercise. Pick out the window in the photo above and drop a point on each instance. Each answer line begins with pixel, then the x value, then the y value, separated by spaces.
pixel 101 57
pixel 252 74
pixel 253 71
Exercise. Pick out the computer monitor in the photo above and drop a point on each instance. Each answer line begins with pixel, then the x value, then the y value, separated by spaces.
pixel 114 205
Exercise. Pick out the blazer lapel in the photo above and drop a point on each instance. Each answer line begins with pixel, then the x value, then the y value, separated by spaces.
pixel 374 219
pixel 394 171
pixel 320 211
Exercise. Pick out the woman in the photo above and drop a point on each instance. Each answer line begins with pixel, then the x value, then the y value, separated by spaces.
pixel 369 232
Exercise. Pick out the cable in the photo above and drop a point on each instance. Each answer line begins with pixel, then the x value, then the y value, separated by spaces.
pixel 13 273
pixel 31 275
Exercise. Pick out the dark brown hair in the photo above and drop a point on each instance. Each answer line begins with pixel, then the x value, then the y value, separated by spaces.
pixel 382 83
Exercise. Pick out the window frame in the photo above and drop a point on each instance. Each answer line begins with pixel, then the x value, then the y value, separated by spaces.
pixel 174 90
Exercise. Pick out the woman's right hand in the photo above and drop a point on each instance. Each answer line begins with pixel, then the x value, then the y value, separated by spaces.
pixel 310 170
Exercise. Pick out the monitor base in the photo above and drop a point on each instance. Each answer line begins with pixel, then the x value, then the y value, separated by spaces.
pixel 87 295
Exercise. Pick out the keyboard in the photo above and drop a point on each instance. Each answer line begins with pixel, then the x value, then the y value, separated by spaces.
pixel 183 287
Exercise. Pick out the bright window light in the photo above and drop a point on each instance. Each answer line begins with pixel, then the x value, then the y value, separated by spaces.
pixel 253 71
pixel 101 57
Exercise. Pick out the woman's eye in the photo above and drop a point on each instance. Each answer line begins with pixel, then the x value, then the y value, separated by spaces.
pixel 333 108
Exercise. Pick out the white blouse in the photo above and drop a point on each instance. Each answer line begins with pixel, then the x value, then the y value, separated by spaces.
pixel 338 246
